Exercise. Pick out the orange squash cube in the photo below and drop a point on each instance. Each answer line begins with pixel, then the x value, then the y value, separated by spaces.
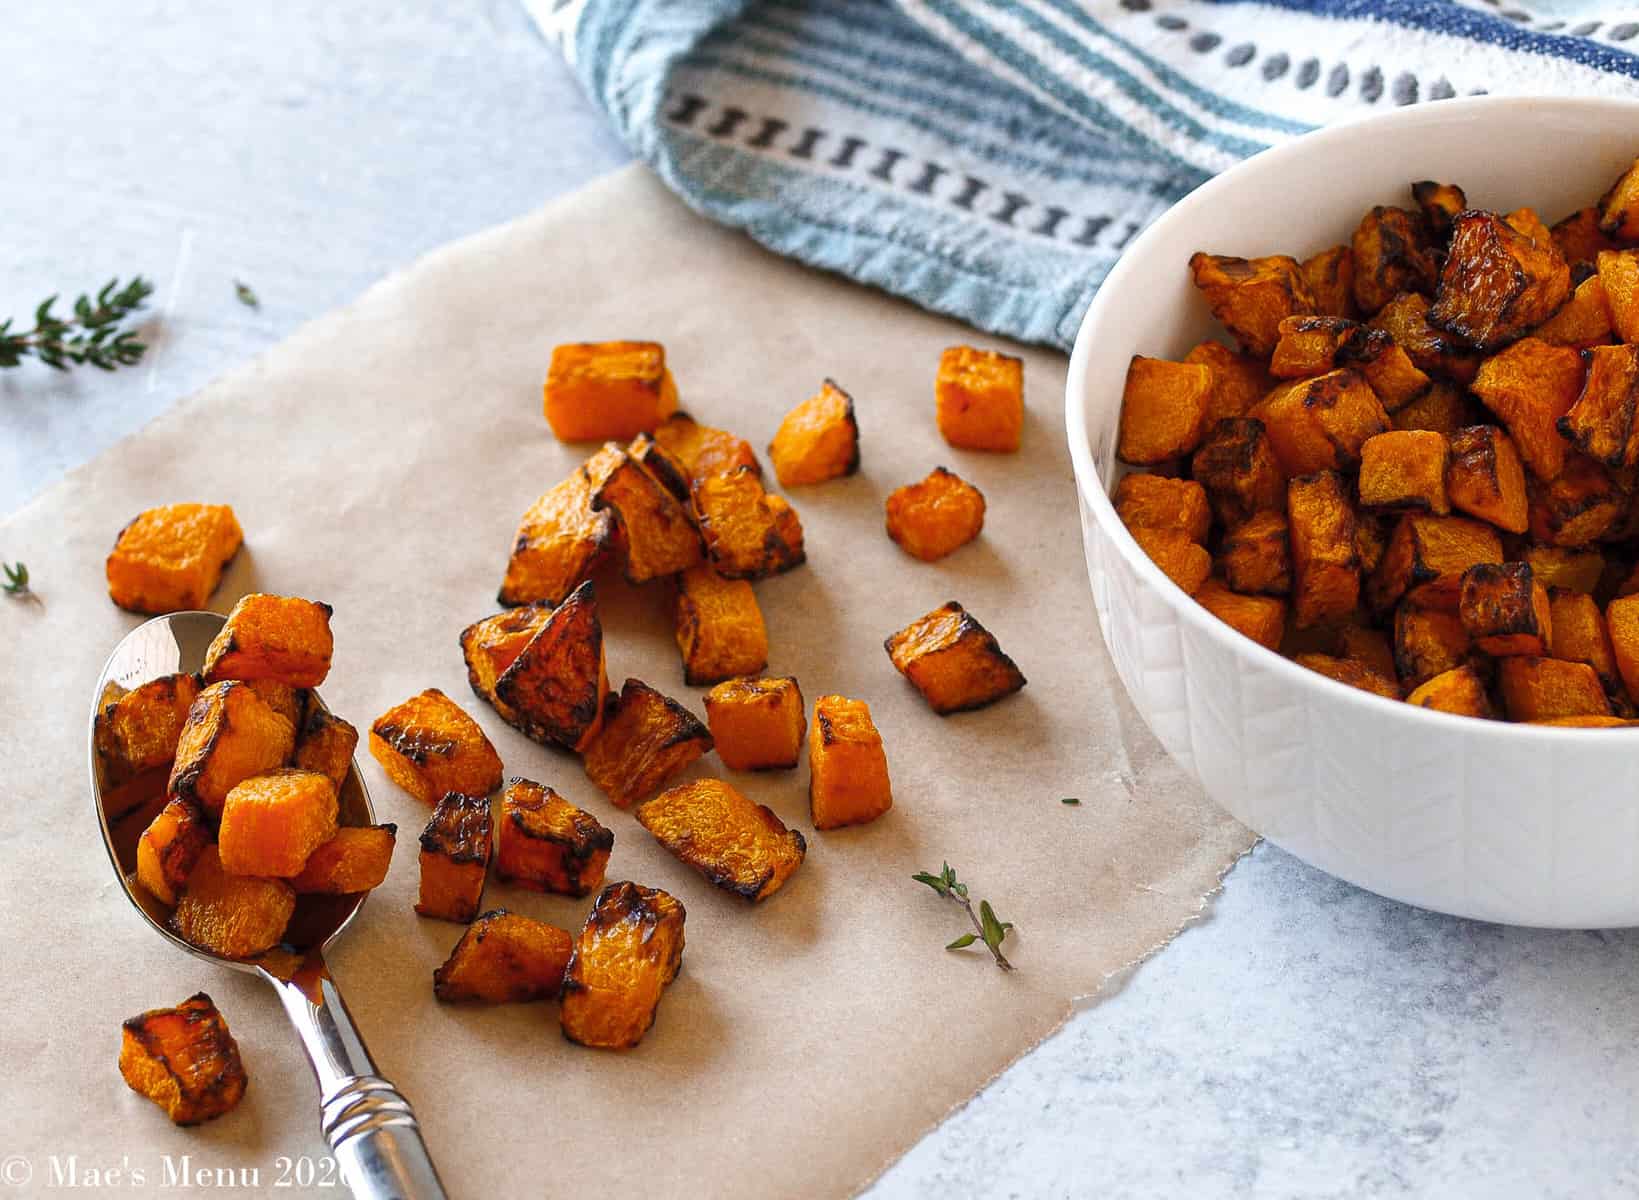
pixel 1405 319
pixel 1459 690
pixel 1352 672
pixel 702 451
pixel 1251 297
pixel 1577 633
pixel 1163 410
pixel 555 687
pixel 184 1060
pixel 979 398
pixel 139 730
pixel 455 851
pixel 646 738
pixel 1602 421
pixel 1444 408
pixel 628 951
pixel 236 916
pixel 1180 557
pixel 1405 470
pixel 1426 557
pixel 818 440
pixel 561 541
pixel 1486 478
pixel 547 844
pixel 1619 273
pixel 598 390
pixel 1558 567
pixel 720 630
pixel 1256 555
pixel 749 533
pixel 662 465
pixel 1330 276
pixel 1580 504
pixel 741 847
pixel 169 849
pixel 655 531
pixel 170 559
pixel 505 958
pixel 1237 467
pixel 492 645
pixel 936 516
pixel 1427 642
pixel 325 744
pixel 1393 253
pixel 1579 238
pixel 953 661
pixel 1311 346
pixel 271 823
pixel 1238 380
pixel 1439 203
pixel 757 724
pixel 1582 321
pixel 280 638
pixel 1619 207
pixel 1325 560
pixel 849 783
pixel 1543 689
pixel 1367 646
pixel 1320 424
pixel 1504 609
pixel 1496 283
pixel 354 860
pixel 428 746
pixel 289 702
pixel 230 735
pixel 1151 502
pixel 1261 618
pixel 1531 385
pixel 1622 623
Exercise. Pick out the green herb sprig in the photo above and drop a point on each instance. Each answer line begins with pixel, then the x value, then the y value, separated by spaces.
pixel 988 928
pixel 16 585
pixel 91 335
pixel 242 291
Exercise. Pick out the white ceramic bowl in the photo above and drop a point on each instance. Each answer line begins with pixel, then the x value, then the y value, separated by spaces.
pixel 1522 824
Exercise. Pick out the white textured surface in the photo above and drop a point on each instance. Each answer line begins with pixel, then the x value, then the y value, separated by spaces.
pixel 1308 1040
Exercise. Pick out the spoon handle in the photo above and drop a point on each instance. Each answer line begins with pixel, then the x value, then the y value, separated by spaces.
pixel 369 1124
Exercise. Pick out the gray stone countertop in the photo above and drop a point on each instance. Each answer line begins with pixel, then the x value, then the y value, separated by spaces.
pixel 1306 1039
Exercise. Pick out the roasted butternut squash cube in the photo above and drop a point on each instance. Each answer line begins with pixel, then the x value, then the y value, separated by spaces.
pixel 598 390
pixel 1325 561
pixel 1163 410
pixel 849 783
pixel 1531 385
pixel 1405 471
pixel 1582 503
pixel 230 735
pixel 140 729
pixel 1261 618
pixel 1393 253
pixel 1251 297
pixel 1405 319
pixel 1439 203
pixel 325 744
pixel 455 851
pixel 1558 567
pixel 1237 467
pixel 170 559
pixel 1579 238
pixel 1352 672
pixel 741 847
pixel 1459 690
pixel 1151 502
pixel 1582 321
pixel 1486 478
pixel 236 916
pixel 646 738
pixel 628 951
pixel 1311 346
pixel 505 958
pixel 979 399
pixel 428 746
pixel 1371 539
pixel 703 451
pixel 1427 642
pixel 1330 276
pixel 1367 646
pixel 1256 555
pixel 556 686
pixel 936 516
pixel 547 844
pixel 818 440
pixel 289 702
pixel 720 630
pixel 281 638
pixel 1320 424
pixel 757 724
pixel 1622 623
pixel 169 849
pixel 1496 282
pixel 1238 380
pixel 1619 273
pixel 1504 609
pixel 184 1060
pixel 953 660
pixel 1602 421
pixel 354 860
pixel 1528 222
pixel 749 533
pixel 1426 557
pixel 1619 207
pixel 1543 689
pixel 271 823
pixel 561 541
pixel 1443 408
pixel 1577 633
pixel 655 531
pixel 664 466
pixel 492 645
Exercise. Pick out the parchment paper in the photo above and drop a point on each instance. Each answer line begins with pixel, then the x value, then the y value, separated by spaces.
pixel 379 460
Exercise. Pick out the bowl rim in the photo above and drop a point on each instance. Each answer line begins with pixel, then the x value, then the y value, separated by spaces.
pixel 1090 487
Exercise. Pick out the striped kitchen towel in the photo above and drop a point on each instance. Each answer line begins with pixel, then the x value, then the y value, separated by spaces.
pixel 990 159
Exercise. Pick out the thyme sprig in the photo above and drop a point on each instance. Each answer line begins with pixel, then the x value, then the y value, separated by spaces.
pixel 92 334
pixel 988 928
pixel 16 585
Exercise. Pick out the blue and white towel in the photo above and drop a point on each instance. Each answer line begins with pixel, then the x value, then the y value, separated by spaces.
pixel 990 159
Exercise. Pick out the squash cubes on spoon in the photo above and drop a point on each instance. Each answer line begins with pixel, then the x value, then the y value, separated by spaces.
pixel 281 638
pixel 271 823
pixel 230 735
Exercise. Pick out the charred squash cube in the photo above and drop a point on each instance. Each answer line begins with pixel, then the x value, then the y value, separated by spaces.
pixel 170 559
pixel 1443 409
pixel 560 542
pixel 140 729
pixel 1238 380
pixel 1320 424
pixel 1619 207
pixel 646 738
pixel 236 916
pixel 1405 319
pixel 849 783
pixel 1393 253
pixel 1577 633
pixel 1181 559
pixel 1439 203
pixel 703 451
pixel 1261 618
pixel 757 724
pixel 184 1060
pixel 1352 672
pixel 1371 539
pixel 271 823
pixel 325 744
pixel 1573 570
pixel 455 850
pixel 1504 609
pixel 1602 421
pixel 289 702
pixel 492 645
pixel 505 958
pixel 1582 321
pixel 1528 222
pixel 749 533
pixel 628 951
pixel 953 660
pixel 1496 282
pixel 355 860
pixel 428 746
pixel 556 685
pixel 1581 504
pixel 1330 276
pixel 1619 273
pixel 720 630
pixel 1579 238
pixel 601 390
pixel 169 849
pixel 1459 690
pixel 1237 467
pixel 1251 297
pixel 1427 642
pixel 1367 646
pixel 1311 346
pixel 229 736
pixel 1543 689
pixel 1405 470
pixel 1426 558
pixel 818 440
pixel 549 845
pixel 654 530
pixel 1486 478
pixel 280 638
pixel 739 846
pixel 1308 346
pixel 665 467
pixel 979 397
pixel 935 517
pixel 1531 385
pixel 1325 561
pixel 1163 410
pixel 1622 623
pixel 1256 555
pixel 1151 502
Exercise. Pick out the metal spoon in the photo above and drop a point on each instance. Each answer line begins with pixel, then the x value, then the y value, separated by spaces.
pixel 370 1126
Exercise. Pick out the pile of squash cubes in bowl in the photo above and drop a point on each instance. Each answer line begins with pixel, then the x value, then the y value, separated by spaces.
pixel 1417 471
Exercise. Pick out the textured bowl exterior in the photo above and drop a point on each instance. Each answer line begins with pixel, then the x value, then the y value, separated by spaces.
pixel 1519 824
